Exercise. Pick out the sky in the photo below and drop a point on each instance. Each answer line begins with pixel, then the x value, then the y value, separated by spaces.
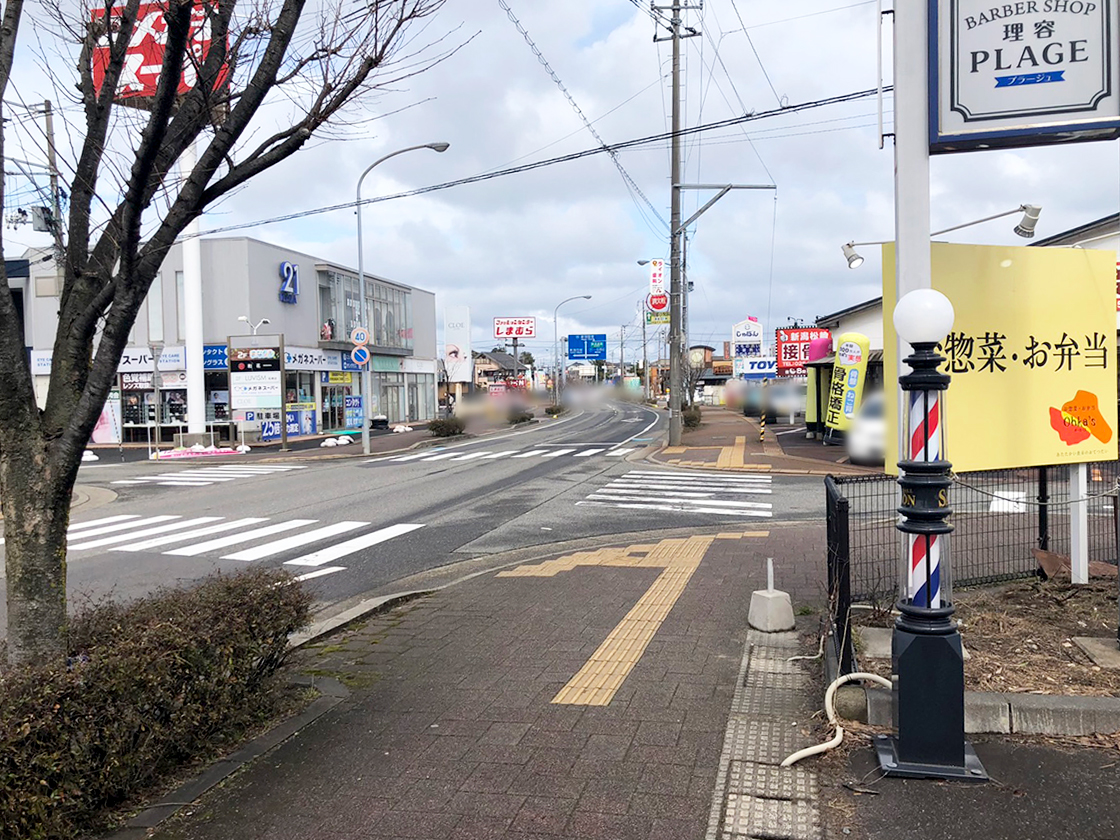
pixel 520 244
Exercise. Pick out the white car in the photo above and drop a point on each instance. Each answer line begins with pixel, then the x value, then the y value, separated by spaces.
pixel 867 436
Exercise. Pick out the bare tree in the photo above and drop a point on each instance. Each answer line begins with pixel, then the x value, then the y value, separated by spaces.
pixel 264 58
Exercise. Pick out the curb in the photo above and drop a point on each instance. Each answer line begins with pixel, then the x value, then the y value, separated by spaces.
pixel 139 826
pixel 989 712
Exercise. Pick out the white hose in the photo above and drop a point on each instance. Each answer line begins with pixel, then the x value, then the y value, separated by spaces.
pixel 829 697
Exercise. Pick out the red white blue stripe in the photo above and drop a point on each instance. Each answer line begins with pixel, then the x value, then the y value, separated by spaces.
pixel 925 549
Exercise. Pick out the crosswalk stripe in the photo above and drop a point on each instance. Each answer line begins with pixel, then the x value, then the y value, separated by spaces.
pixel 588 452
pixel 614 453
pixel 531 453
pixel 81 526
pixel 245 536
pixel 121 526
pixel 635 485
pixel 500 455
pixel 275 547
pixel 692 476
pixel 147 532
pixel 330 570
pixel 184 476
pixel 184 483
pixel 678 508
pixel 264 468
pixel 442 456
pixel 557 453
pixel 470 457
pixel 333 552
pixel 202 532
pixel 218 475
pixel 405 457
pixel 673 498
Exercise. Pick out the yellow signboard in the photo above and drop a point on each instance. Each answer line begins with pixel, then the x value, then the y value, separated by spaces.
pixel 1032 354
pixel 848 372
pixel 335 377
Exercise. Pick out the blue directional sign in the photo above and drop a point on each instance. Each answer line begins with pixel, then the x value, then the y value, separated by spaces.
pixel 587 347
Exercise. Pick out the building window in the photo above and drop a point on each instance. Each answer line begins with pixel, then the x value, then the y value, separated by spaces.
pixel 180 306
pixel 389 309
pixel 155 310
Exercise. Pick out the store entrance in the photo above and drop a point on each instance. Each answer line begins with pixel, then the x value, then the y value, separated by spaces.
pixel 334 406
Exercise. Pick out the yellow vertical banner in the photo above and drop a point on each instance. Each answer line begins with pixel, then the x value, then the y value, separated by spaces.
pixel 1032 354
pixel 848 373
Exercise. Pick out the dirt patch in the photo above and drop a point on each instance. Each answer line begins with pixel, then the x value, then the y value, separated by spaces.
pixel 1020 637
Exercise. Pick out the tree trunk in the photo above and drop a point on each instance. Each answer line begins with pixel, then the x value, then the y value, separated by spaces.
pixel 36 507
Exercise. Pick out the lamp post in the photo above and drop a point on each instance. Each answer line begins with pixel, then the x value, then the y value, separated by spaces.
pixel 252 326
pixel 362 308
pixel 556 345
pixel 926 647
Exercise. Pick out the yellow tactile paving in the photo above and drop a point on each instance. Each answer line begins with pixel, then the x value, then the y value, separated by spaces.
pixel 597 681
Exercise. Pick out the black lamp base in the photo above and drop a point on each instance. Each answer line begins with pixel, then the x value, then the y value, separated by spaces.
pixel 886 749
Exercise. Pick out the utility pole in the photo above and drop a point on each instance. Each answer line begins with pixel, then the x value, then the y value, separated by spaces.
pixel 676 349
pixel 645 363
pixel 52 166
pixel 622 356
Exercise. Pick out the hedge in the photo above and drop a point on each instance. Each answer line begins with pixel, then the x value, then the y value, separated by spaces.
pixel 447 428
pixel 691 416
pixel 150 686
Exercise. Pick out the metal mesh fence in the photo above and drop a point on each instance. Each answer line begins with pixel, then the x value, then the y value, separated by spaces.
pixel 999 516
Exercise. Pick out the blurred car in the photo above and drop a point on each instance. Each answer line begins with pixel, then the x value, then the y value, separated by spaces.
pixel 867 436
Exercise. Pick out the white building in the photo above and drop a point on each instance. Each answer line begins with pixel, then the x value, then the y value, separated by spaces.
pixel 313 303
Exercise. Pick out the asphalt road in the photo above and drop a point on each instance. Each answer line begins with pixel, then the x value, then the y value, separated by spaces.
pixel 355 526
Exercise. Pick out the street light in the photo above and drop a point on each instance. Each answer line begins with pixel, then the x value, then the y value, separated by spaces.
pixel 364 314
pixel 1025 228
pixel 556 346
pixel 252 326
pixel 926 647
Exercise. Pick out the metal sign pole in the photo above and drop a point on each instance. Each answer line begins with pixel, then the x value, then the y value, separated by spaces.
pixel 283 398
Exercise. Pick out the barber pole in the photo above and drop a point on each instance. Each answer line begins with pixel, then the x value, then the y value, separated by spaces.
pixel 925 549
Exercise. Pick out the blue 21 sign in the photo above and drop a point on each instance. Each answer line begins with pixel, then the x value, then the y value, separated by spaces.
pixel 289 282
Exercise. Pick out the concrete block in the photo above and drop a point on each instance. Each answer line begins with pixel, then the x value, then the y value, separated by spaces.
pixel 1041 714
pixel 771 611
pixel 851 703
pixel 986 711
pixel 875 643
pixel 1104 652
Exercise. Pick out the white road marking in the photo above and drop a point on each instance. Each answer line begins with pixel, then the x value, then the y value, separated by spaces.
pixel 121 526
pixel 531 453
pixel 146 532
pixel 330 570
pixel 403 458
pixel 679 508
pixel 442 456
pixel 588 452
pixel 598 497
pixel 470 457
pixel 277 546
pixel 500 455
pixel 184 483
pixel 639 485
pixel 202 532
pixel 333 552
pixel 557 453
pixel 617 453
pixel 245 536
pixel 81 526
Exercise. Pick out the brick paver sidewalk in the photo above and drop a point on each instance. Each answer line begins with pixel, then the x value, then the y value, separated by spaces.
pixel 585 696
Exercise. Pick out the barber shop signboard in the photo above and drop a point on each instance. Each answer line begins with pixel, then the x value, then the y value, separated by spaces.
pixel 1022 73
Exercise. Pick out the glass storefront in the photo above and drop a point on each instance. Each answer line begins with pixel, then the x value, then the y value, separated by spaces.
pixel 390 310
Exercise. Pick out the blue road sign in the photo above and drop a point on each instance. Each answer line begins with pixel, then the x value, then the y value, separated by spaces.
pixel 587 347
pixel 360 355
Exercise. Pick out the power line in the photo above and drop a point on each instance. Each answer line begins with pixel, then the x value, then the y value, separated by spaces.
pixel 757 57
pixel 579 112
pixel 540 164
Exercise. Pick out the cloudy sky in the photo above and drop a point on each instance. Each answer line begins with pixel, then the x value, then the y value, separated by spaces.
pixel 518 245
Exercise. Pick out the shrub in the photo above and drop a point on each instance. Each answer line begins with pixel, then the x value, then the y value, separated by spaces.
pixel 519 415
pixel 447 428
pixel 149 686
pixel 553 410
pixel 691 416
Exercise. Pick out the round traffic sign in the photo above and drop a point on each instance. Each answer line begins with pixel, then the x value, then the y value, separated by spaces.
pixel 359 336
pixel 360 355
pixel 658 303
